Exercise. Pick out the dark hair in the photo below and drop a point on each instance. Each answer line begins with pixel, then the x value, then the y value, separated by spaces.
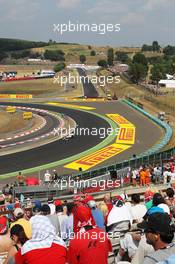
pixel 59 208
pixel 70 206
pixel 50 199
pixel 167 238
pixel 135 198
pixel 18 230
pixel 36 210
pixel 45 209
pixel 170 192
pixel 158 199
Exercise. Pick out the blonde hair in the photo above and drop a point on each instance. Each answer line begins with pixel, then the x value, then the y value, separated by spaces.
pixel 103 208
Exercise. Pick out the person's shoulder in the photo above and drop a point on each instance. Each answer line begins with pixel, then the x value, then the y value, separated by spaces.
pixel 159 254
pixel 152 258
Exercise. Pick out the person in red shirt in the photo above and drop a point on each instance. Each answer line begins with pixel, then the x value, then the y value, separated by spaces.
pixel 88 218
pixel 44 247
pixel 90 245
pixel 108 202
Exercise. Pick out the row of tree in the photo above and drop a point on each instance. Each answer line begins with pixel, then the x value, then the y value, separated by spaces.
pixel 159 67
pixel 16 44
pixel 155 47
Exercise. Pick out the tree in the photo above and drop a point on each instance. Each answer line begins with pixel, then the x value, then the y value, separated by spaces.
pixel 110 57
pixel 169 67
pixel 146 47
pixel 59 67
pixel 82 58
pixel 102 63
pixel 137 72
pixel 3 55
pixel 155 46
pixel 25 53
pixel 121 56
pixel 93 53
pixel 140 59
pixel 54 55
pixel 157 73
pixel 169 50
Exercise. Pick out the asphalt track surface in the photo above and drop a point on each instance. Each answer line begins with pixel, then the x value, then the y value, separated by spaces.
pixel 52 122
pixel 89 89
pixel 56 150
pixel 147 132
pixel 147 135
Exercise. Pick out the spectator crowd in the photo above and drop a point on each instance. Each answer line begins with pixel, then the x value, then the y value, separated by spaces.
pixel 83 231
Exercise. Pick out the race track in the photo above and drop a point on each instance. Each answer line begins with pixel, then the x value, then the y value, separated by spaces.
pixel 147 135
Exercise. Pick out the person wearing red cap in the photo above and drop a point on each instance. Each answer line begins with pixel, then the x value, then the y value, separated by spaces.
pixel 77 217
pixel 90 245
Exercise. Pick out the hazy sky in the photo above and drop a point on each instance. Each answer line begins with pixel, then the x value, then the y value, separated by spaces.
pixel 141 21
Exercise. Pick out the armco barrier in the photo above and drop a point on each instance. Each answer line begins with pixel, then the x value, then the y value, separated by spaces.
pixel 165 126
pixel 152 156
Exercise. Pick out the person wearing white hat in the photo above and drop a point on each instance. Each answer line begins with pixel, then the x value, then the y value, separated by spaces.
pixel 20 220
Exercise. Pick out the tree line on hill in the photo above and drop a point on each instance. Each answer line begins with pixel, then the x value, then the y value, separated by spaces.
pixel 7 45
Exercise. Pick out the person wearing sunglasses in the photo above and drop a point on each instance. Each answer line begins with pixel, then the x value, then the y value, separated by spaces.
pixel 160 234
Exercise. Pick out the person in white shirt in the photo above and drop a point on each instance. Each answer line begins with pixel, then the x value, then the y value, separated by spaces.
pixel 166 176
pixel 157 174
pixel 47 177
pixel 159 201
pixel 138 210
pixel 135 173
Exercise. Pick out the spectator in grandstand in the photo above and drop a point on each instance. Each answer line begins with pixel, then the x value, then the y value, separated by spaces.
pixel 28 213
pixel 37 203
pixel 167 176
pixel 108 201
pixel 45 210
pixel 90 244
pixel 36 211
pixel 5 241
pixel 55 176
pixel 51 204
pixel 18 237
pixel 89 218
pixel 5 190
pixel 47 177
pixel 159 234
pixel 20 179
pixel 28 203
pixel 97 214
pixel 148 198
pixel 147 176
pixel 67 224
pixel 157 174
pixel 119 219
pixel 20 220
pixel 125 198
pixel 44 247
pixel 135 174
pixel 138 210
pixel 103 208
pixel 60 215
pixel 143 176
pixel 159 201
pixel 170 200
pixel 2 198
